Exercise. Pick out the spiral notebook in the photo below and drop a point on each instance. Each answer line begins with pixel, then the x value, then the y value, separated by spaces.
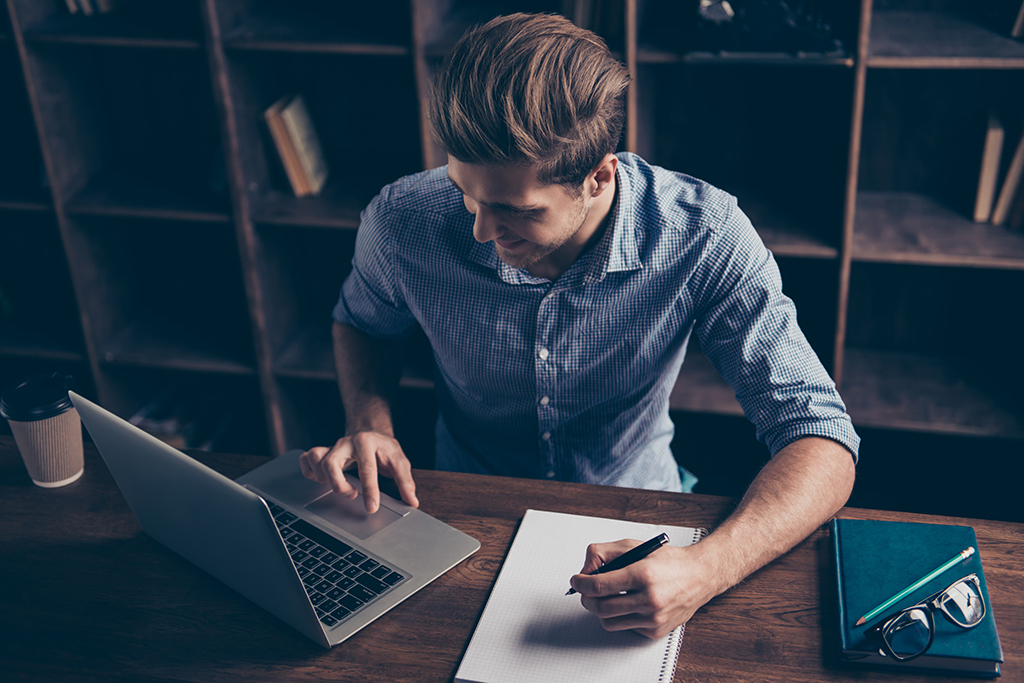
pixel 531 632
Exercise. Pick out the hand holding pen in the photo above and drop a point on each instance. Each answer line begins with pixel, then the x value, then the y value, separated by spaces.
pixel 629 557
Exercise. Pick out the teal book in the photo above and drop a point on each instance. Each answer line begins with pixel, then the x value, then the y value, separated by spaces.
pixel 875 560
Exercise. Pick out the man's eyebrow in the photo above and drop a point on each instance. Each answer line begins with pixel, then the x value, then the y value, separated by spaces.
pixel 500 205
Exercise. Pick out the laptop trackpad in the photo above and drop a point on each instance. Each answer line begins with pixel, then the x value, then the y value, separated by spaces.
pixel 351 515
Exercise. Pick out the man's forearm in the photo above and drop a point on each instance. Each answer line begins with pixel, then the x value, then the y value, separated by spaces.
pixel 368 373
pixel 799 489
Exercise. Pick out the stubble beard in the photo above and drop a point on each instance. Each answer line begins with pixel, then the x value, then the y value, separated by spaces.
pixel 541 251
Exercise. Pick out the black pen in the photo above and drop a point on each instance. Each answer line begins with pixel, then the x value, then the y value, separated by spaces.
pixel 629 557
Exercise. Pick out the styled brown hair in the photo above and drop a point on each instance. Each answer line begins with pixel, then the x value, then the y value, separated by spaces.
pixel 531 89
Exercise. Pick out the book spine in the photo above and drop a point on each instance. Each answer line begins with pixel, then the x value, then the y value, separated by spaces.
pixel 1011 185
pixel 989 176
pixel 284 149
pixel 305 142
pixel 1018 26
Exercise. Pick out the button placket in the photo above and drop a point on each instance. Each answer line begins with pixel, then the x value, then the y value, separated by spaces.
pixel 546 372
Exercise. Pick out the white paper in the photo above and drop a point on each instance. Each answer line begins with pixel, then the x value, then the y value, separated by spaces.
pixel 531 632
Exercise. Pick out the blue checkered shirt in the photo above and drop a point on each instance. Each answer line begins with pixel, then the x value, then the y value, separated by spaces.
pixel 570 379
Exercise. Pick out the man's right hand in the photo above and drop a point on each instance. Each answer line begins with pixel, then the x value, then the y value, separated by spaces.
pixel 371 453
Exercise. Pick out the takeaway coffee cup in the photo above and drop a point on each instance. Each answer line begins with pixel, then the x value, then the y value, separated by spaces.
pixel 46 428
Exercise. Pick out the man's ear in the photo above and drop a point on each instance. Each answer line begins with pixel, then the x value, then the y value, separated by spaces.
pixel 604 174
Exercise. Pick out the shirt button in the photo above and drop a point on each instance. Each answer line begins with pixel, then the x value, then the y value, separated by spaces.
pixel 543 353
pixel 546 435
pixel 545 400
pixel 551 474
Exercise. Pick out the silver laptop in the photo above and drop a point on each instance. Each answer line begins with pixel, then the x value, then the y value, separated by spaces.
pixel 311 557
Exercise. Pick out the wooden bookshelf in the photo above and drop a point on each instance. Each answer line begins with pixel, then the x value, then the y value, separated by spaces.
pixel 137 173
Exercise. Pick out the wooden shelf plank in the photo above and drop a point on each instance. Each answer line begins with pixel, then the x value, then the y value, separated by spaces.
pixel 115 194
pixel 700 389
pixel 112 29
pixel 282 30
pixel 900 227
pixel 649 54
pixel 151 343
pixel 335 207
pixel 309 355
pixel 18 340
pixel 781 233
pixel 926 394
pixel 26 205
pixel 938 40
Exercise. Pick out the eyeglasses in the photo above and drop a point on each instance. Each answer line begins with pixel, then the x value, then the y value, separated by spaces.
pixel 910 632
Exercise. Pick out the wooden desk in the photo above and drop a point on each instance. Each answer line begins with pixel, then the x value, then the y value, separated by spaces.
pixel 86 596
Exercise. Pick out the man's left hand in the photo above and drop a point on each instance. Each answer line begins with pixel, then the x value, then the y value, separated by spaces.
pixel 652 596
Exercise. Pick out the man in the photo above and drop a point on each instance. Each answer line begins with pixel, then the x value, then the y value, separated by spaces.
pixel 558 284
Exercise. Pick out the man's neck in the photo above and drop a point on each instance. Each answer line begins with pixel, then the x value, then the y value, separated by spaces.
pixel 557 262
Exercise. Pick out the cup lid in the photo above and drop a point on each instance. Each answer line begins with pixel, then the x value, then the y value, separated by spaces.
pixel 37 398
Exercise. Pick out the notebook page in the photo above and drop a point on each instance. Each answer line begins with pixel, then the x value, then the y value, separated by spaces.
pixel 531 632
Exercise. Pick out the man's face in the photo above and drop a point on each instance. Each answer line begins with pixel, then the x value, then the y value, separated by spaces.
pixel 525 219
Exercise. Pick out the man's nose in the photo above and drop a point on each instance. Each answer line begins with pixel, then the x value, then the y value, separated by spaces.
pixel 486 226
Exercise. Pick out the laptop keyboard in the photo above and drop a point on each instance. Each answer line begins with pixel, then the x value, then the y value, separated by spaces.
pixel 339 579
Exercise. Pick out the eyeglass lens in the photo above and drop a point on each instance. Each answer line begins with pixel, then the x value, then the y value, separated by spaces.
pixel 962 603
pixel 910 633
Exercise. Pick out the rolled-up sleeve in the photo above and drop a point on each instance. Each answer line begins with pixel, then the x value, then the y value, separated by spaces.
pixel 371 299
pixel 749 331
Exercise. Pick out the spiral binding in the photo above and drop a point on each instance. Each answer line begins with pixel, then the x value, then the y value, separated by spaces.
pixel 668 665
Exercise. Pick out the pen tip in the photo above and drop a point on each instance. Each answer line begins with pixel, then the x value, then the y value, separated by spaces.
pixel 570 591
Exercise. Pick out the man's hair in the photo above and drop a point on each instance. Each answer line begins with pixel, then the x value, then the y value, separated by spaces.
pixel 531 89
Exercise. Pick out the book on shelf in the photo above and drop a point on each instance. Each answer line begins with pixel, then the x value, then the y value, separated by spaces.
pixel 86 6
pixel 72 6
pixel 298 144
pixel 1018 26
pixel 875 560
pixel 1015 220
pixel 989 177
pixel 1011 185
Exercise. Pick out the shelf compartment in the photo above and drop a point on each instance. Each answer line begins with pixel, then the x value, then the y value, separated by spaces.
pixel 112 193
pixel 700 389
pixel 925 393
pixel 38 316
pixel 715 125
pixel 670 32
pixel 309 355
pixel 365 147
pixel 152 343
pixel 335 207
pixel 938 40
pixel 162 294
pixel 22 174
pixel 380 29
pixel 783 234
pixel 152 149
pixel 129 25
pixel 912 228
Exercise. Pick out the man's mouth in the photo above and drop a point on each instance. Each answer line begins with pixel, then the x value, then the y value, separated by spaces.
pixel 510 244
